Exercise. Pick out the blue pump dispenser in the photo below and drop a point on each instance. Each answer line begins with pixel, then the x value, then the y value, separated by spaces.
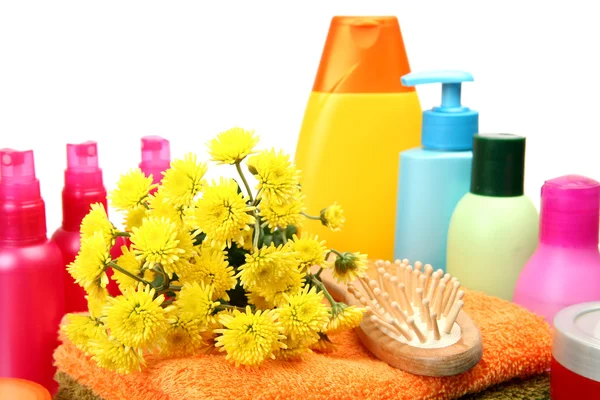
pixel 449 126
pixel 434 177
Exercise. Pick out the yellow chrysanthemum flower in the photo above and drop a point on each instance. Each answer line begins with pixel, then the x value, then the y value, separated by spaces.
pixel 132 190
pixel 185 242
pixel 269 267
pixel 222 213
pixel 114 356
pixel 294 349
pixel 308 250
pixel 136 318
pixel 232 146
pixel 156 242
pixel 283 214
pixel 278 178
pixel 184 180
pixel 344 317
pixel 89 267
pixel 96 303
pixel 81 329
pixel 183 337
pixel 129 262
pixel 162 207
pixel 196 300
pixel 304 316
pixel 275 295
pixel 333 217
pixel 258 300
pixel 323 345
pixel 211 268
pixel 250 338
pixel 244 241
pixel 134 217
pixel 349 266
pixel 96 220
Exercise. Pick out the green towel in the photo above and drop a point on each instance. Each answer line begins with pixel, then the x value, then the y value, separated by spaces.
pixel 536 388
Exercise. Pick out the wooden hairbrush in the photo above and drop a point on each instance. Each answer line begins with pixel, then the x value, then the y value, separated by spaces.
pixel 414 319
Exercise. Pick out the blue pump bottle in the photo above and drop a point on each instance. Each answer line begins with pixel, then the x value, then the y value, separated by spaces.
pixel 434 177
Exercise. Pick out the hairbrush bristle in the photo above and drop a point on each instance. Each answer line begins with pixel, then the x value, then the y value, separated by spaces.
pixel 417 303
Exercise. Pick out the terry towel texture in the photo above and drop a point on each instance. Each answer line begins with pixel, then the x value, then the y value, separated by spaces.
pixel 517 344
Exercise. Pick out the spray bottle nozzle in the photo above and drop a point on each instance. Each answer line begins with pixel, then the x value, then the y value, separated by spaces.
pixel 17 166
pixel 156 156
pixel 449 126
pixel 82 156
pixel 17 175
pixel 83 171
pixel 155 148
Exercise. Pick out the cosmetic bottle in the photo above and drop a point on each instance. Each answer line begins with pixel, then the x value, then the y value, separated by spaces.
pixel 575 370
pixel 83 186
pixel 156 157
pixel 359 117
pixel 31 275
pixel 565 268
pixel 494 228
pixel 435 176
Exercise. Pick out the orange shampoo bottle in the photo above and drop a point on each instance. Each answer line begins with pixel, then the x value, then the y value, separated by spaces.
pixel 358 119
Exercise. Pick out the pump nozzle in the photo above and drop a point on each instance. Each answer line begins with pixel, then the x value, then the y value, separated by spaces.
pixel 22 210
pixel 156 156
pixel 82 166
pixel 449 126
pixel 17 175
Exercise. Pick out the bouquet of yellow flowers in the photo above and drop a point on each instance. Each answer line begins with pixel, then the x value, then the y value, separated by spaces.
pixel 210 265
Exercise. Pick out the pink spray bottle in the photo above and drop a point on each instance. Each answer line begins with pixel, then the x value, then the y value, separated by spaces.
pixel 31 280
pixel 84 186
pixel 565 268
pixel 156 157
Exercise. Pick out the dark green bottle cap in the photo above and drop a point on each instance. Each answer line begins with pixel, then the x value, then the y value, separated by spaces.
pixel 498 165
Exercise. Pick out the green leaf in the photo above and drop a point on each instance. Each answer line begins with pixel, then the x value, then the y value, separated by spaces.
pixel 237 296
pixel 199 239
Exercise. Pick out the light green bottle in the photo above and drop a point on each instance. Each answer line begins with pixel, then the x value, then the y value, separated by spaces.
pixel 494 228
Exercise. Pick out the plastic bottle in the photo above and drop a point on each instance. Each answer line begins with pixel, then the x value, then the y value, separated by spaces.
pixel 156 157
pixel 83 187
pixel 565 268
pixel 359 117
pixel 31 280
pixel 434 177
pixel 494 228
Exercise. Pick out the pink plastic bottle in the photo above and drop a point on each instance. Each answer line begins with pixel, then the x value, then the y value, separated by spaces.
pixel 156 157
pixel 31 280
pixel 83 187
pixel 565 268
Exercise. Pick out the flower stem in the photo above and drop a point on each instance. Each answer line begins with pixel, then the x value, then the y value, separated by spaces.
pixel 318 274
pixel 283 237
pixel 129 274
pixel 320 285
pixel 334 251
pixel 257 199
pixel 239 170
pixel 124 234
pixel 257 230
pixel 310 216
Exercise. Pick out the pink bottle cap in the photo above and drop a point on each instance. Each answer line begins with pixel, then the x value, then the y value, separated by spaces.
pixel 82 166
pixel 570 211
pixel 156 156
pixel 22 210
pixel 17 176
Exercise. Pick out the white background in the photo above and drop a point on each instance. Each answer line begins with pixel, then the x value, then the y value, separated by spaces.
pixel 113 71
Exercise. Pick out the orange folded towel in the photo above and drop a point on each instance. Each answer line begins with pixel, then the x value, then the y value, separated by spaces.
pixel 516 343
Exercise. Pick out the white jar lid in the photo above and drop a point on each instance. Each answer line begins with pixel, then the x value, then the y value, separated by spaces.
pixel 576 343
